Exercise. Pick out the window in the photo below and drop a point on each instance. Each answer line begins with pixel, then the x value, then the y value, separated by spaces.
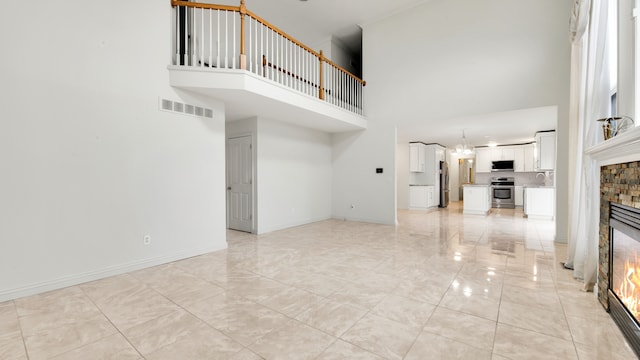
pixel 637 61
pixel 612 34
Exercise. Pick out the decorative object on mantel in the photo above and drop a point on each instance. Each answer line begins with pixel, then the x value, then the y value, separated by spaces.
pixel 614 125
pixel 463 149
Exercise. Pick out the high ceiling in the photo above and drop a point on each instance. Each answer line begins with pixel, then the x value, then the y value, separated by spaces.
pixel 315 21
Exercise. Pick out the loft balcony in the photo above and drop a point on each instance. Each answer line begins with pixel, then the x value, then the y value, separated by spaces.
pixel 231 54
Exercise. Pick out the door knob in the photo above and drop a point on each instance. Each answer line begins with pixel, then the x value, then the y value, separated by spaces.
pixel 228 187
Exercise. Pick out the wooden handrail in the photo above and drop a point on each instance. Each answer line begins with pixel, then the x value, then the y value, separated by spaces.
pixel 282 33
pixel 290 38
pixel 243 10
pixel 175 3
pixel 364 83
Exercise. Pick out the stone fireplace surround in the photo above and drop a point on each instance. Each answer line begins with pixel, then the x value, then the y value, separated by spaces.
pixel 618 184
pixel 619 162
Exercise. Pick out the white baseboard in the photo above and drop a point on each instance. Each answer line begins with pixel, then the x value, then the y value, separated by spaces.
pixel 264 230
pixel 75 279
pixel 365 220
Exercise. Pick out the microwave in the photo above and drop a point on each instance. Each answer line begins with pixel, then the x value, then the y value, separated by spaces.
pixel 502 165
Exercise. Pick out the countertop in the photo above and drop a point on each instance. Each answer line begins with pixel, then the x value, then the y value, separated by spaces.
pixel 524 186
pixel 419 185
pixel 477 185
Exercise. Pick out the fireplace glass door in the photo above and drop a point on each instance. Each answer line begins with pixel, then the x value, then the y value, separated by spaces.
pixel 624 271
pixel 625 279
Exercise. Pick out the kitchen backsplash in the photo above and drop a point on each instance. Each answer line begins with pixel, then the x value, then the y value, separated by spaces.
pixel 521 178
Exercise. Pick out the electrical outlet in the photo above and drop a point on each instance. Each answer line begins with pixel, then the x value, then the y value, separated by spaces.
pixel 146 240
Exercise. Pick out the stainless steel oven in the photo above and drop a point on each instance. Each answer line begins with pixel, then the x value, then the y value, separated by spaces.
pixel 503 193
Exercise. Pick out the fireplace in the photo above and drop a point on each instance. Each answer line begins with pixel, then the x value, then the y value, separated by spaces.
pixel 624 271
pixel 619 245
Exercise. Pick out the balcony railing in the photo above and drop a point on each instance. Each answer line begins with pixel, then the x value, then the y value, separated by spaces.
pixel 232 37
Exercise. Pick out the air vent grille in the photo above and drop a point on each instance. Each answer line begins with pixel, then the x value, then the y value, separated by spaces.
pixel 187 109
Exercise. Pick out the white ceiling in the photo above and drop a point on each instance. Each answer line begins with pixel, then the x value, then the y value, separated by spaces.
pixel 315 21
pixel 501 128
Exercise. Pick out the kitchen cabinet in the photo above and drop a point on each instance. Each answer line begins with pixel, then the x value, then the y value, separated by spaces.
pixel 546 150
pixel 523 157
pixel 416 157
pixel 506 153
pixel 539 202
pixel 477 199
pixel 433 154
pixel 519 195
pixel 431 196
pixel 421 197
pixel 483 160
pixel 518 159
pixel 529 157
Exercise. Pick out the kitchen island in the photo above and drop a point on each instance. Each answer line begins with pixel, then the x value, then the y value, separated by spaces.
pixel 539 202
pixel 476 199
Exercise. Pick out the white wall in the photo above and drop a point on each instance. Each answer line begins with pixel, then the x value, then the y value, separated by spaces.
pixel 403 175
pixel 455 58
pixel 294 177
pixel 89 163
pixel 626 70
pixel 356 155
pixel 335 50
pixel 343 56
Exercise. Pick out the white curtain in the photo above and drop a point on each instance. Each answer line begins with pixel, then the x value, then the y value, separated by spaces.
pixel 589 101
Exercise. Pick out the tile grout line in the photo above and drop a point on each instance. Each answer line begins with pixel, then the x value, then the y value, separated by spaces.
pixel 22 337
pixel 110 322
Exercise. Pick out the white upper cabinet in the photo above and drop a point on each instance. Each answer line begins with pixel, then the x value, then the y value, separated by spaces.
pixel 530 157
pixel 483 160
pixel 523 156
pixel 507 153
pixel 546 150
pixel 518 159
pixel 416 157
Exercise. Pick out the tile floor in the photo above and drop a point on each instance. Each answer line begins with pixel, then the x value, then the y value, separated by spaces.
pixel 438 286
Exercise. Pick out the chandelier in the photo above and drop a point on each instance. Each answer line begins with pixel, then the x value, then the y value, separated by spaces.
pixel 464 149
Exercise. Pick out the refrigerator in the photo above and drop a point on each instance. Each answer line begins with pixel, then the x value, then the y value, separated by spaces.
pixel 444 185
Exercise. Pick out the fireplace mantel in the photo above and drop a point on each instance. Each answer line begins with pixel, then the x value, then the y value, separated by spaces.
pixel 620 149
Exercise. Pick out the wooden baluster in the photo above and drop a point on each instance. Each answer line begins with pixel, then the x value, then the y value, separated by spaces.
pixel 201 37
pixel 335 80
pixel 343 82
pixel 233 43
pixel 286 65
pixel 210 38
pixel 320 83
pixel 248 53
pixel 193 37
pixel 226 39
pixel 218 39
pixel 351 92
pixel 185 27
pixel 243 57
pixel 177 43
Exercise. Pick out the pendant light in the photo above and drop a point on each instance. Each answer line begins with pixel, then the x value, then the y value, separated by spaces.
pixel 463 149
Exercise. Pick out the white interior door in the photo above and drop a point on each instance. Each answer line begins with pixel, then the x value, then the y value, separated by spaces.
pixel 240 183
